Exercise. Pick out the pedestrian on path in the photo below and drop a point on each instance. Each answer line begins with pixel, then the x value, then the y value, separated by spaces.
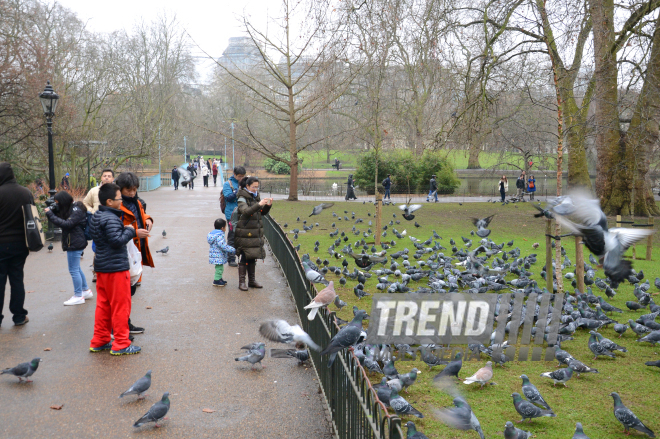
pixel 219 250
pixel 193 173
pixel 65 182
pixel 13 249
pixel 433 189
pixel 214 170
pixel 531 187
pixel 72 218
pixel 504 187
pixel 250 231
pixel 520 186
pixel 135 216
pixel 92 203
pixel 387 184
pixel 350 189
pixel 229 191
pixel 175 178
pixel 205 175
pixel 113 287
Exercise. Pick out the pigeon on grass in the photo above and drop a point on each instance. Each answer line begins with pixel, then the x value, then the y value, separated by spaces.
pixel 511 432
pixel 140 386
pixel 560 376
pixel 627 418
pixel 579 432
pixel 482 376
pixel 528 410
pixel 156 413
pixel 23 370
pixel 532 393
pixel 413 433
pixel 281 332
pixel 401 406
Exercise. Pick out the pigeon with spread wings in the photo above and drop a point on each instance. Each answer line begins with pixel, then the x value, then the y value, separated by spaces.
pixel 280 331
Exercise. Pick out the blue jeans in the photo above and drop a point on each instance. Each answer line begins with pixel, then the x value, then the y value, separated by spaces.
pixel 431 193
pixel 77 275
pixel 387 193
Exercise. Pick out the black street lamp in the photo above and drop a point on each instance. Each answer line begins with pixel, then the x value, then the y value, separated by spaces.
pixel 48 100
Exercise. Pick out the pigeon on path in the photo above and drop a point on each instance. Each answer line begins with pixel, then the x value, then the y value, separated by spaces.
pixel 560 376
pixel 318 209
pixel 528 410
pixel 627 418
pixel 156 413
pixel 281 332
pixel 324 298
pixel 301 355
pixel 23 370
pixel 511 432
pixel 256 352
pixel 346 337
pixel 164 250
pixel 482 376
pixel 164 233
pixel 579 432
pixel 140 386
pixel 532 393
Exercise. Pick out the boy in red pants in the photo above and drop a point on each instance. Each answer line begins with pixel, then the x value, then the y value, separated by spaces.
pixel 113 282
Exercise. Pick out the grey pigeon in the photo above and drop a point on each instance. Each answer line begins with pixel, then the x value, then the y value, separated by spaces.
pixel 627 418
pixel 164 250
pixel 653 337
pixel 597 348
pixel 318 209
pixel 511 432
pixel 413 433
pixel 156 413
pixel 609 344
pixel 256 352
pixel 620 328
pixel 301 355
pixel 560 376
pixel 313 276
pixel 579 432
pixel 23 370
pixel 281 332
pixel 408 379
pixel 579 367
pixel 482 225
pixel 460 417
pixel 140 386
pixel 653 363
pixel 164 233
pixel 430 359
pixel 403 407
pixel 339 303
pixel 452 368
pixel 346 337
pixel 409 209
pixel 532 393
pixel 528 410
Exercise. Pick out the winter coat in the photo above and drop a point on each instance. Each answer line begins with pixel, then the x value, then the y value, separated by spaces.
pixel 12 198
pixel 520 183
pixel 91 200
pixel 215 169
pixel 503 183
pixel 73 232
pixel 387 183
pixel 205 171
pixel 433 185
pixel 531 185
pixel 129 219
pixel 110 237
pixel 219 249
pixel 231 200
pixel 249 233
pixel 175 175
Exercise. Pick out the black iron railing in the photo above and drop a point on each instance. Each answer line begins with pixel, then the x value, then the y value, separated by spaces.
pixel 355 409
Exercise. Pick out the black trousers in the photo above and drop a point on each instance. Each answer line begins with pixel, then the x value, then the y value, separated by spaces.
pixel 176 184
pixel 12 261
pixel 230 242
pixel 215 179
pixel 206 180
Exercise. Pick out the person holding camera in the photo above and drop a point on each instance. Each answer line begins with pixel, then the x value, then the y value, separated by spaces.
pixel 72 218
pixel 249 234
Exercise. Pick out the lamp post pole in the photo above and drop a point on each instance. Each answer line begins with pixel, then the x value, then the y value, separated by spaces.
pixel 49 100
pixel 225 152
pixel 233 164
pixel 185 151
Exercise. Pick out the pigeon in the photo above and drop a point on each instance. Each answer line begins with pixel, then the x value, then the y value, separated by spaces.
pixel 403 407
pixel 482 226
pixel 324 298
pixel 318 209
pixel 452 368
pixel 597 348
pixel 511 432
pixel 156 413
pixel 579 432
pixel 164 233
pixel 314 276
pixel 620 328
pixel 408 210
pixel 579 367
pixel 637 328
pixel 430 359
pixel 346 337
pixel 634 306
pixel 140 386
pixel 460 417
pixel 255 353
pixel 50 247
pixel 281 332
pixel 408 379
pixel 627 418
pixel 339 303
pixel 164 250
pixel 390 370
pixel 302 355
pixel 559 376
pixel 482 376
pixel 653 337
pixel 532 393
pixel 653 363
pixel 413 433
pixel 609 344
pixel 528 410
pixel 23 370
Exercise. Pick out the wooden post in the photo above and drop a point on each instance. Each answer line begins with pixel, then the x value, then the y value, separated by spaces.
pixel 379 208
pixel 548 255
pixel 579 264
pixel 618 220
pixel 649 241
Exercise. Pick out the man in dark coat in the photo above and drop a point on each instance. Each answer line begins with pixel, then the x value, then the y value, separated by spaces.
pixel 13 249
pixel 175 178
pixel 520 186
pixel 433 189
pixel 387 184
pixel 350 189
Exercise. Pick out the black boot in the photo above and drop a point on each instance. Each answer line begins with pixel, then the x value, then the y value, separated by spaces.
pixel 251 269
pixel 242 269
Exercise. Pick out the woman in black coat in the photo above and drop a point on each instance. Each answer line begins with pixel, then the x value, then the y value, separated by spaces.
pixel 350 190
pixel 72 219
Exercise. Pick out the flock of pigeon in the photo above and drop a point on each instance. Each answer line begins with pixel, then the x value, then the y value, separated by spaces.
pixel 481 266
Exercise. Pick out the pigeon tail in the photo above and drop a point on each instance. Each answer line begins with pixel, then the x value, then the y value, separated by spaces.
pixel 312 314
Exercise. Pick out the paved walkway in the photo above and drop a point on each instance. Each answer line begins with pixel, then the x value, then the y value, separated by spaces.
pixel 193 332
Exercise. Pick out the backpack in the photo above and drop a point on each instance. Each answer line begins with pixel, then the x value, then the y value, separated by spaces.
pixel 384 182
pixel 34 231
pixel 85 226
pixel 223 202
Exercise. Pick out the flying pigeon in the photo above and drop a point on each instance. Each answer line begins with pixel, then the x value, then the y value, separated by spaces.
pixel 482 376
pixel 528 410
pixel 482 225
pixel 532 393
pixel 324 298
pixel 346 337
pixel 511 432
pixel 256 352
pixel 140 386
pixel 23 370
pixel 156 413
pixel 408 210
pixel 318 209
pixel 460 417
pixel 164 251
pixel 627 418
pixel 559 376
pixel 281 332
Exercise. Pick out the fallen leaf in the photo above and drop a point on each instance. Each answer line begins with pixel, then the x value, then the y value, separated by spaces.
pixel 62 291
pixel 57 407
pixel 30 291
pixel 48 349
pixel 208 411
pixel 148 307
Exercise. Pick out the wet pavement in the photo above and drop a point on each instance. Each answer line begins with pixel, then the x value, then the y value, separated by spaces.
pixel 193 333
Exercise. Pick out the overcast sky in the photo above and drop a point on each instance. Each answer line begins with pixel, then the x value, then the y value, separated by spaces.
pixel 210 23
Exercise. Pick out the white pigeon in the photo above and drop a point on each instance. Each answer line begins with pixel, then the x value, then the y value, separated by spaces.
pixel 280 331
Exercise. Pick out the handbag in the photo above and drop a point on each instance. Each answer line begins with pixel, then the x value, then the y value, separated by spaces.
pixel 223 202
pixel 34 231
pixel 134 262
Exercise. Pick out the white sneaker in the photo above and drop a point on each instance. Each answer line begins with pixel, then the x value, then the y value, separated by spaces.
pixel 74 300
pixel 87 294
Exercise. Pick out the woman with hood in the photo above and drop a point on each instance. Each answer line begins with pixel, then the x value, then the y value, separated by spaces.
pixel 350 190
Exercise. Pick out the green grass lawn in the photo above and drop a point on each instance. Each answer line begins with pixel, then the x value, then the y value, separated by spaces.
pixel 586 399
pixel 495 160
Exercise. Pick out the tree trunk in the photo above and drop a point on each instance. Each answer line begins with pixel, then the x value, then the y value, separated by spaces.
pixel 473 157
pixel 575 129
pixel 293 151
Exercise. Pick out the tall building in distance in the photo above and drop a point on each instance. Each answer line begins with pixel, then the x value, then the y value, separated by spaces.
pixel 241 52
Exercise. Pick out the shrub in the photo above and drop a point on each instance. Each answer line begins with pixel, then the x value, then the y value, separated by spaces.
pixel 280 168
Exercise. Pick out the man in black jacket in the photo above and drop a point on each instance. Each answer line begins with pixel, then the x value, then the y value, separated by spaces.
pixel 433 189
pixel 520 186
pixel 387 184
pixel 13 250
pixel 175 178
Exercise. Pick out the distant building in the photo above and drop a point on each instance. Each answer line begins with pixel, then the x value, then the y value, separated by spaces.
pixel 241 52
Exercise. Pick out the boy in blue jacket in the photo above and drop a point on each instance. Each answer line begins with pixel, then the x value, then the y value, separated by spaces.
pixel 219 250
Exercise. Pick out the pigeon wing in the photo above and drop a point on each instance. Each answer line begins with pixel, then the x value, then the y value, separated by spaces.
pixel 277 330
